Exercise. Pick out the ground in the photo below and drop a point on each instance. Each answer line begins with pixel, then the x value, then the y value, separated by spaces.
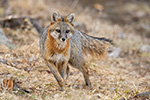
pixel 125 73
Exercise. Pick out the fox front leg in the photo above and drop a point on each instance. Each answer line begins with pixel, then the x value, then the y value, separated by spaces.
pixel 67 71
pixel 56 74
pixel 63 69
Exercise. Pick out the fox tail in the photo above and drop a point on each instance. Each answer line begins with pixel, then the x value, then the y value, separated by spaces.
pixel 94 46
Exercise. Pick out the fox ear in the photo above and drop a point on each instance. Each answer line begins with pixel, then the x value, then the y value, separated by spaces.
pixel 70 18
pixel 55 17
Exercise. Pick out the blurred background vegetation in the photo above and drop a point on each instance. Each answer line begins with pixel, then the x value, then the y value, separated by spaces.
pixel 125 73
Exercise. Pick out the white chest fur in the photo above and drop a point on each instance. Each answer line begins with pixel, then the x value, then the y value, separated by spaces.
pixel 58 58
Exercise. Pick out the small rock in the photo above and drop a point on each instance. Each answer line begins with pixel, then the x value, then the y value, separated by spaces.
pixel 3 61
pixel 100 95
pixel 1 73
pixel 75 86
pixel 115 53
pixel 145 48
pixel 113 88
pixel 122 35
pixel 122 98
pixel 27 69
pixel 143 94
pixel 146 27
pixel 80 86
pixel 33 58
pixel 27 90
pixel 89 97
pixel 9 75
pixel 56 95
pixel 4 40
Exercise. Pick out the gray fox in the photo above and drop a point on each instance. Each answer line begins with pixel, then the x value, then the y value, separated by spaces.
pixel 61 44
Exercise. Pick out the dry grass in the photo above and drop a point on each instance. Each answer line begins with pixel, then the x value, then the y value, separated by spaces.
pixel 111 79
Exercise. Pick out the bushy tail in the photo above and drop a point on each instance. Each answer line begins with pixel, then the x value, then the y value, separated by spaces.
pixel 94 46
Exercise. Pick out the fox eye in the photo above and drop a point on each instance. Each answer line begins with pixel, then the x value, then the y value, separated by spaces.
pixel 67 31
pixel 57 30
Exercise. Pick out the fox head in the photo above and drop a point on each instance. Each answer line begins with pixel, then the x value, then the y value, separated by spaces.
pixel 61 27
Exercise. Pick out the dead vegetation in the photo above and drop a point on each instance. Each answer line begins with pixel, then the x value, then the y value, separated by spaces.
pixel 121 77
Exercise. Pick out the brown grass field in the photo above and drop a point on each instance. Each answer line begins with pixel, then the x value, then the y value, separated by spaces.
pixel 113 78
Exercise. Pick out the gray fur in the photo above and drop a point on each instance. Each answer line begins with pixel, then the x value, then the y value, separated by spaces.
pixel 43 41
pixel 94 46
pixel 80 44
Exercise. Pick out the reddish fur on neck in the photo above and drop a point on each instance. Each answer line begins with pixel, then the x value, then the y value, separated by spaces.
pixel 52 48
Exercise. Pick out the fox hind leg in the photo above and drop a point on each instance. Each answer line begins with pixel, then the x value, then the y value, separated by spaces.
pixel 80 65
pixel 84 70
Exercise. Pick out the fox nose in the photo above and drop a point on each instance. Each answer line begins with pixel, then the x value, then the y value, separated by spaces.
pixel 63 39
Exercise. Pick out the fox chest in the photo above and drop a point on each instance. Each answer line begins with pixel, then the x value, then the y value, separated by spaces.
pixel 58 57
